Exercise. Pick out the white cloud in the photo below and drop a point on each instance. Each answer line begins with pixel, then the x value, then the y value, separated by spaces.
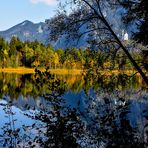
pixel 47 2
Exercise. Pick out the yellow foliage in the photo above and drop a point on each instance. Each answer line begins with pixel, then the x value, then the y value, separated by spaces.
pixel 107 65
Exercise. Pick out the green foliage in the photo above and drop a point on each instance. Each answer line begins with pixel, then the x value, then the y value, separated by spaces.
pixel 34 54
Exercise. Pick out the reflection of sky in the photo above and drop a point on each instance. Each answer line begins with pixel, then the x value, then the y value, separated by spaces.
pixel 79 101
pixel 74 100
pixel 137 113
pixel 18 116
pixel 91 105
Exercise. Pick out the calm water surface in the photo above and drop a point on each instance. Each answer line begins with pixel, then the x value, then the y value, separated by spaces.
pixel 70 111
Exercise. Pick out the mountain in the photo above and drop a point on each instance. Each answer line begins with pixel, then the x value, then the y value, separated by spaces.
pixel 26 30
pixel 29 31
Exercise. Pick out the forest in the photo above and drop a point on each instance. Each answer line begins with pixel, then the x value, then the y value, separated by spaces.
pixel 16 53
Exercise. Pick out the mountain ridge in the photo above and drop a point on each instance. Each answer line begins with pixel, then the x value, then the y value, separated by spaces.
pixel 26 31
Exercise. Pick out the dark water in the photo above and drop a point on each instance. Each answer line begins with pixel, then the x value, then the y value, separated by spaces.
pixel 66 111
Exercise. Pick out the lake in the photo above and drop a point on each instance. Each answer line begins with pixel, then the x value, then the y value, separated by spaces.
pixel 70 111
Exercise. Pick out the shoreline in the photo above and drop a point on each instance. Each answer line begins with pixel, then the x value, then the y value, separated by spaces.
pixel 25 70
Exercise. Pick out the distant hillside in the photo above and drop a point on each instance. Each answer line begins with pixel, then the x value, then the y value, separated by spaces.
pixel 26 30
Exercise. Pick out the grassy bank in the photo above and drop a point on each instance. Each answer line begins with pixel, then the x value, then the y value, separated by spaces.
pixel 18 70
pixel 66 71
pixel 24 70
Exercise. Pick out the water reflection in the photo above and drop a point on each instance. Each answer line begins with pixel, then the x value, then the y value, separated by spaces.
pixel 35 85
pixel 44 110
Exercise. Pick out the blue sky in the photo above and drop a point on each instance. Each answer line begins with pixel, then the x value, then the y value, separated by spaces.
pixel 13 12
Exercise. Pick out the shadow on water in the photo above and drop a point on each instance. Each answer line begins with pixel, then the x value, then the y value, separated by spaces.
pixel 44 110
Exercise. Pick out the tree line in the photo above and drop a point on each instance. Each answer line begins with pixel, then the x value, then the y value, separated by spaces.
pixel 34 54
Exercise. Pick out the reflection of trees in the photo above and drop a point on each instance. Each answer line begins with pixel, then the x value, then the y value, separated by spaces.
pixel 61 124
pixel 10 134
pixel 108 124
pixel 110 82
pixel 61 130
pixel 103 123
pixel 37 84
pixel 55 126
